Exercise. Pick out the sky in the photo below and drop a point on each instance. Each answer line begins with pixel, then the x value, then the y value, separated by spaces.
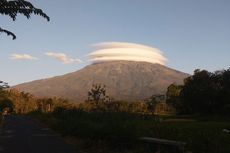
pixel 191 34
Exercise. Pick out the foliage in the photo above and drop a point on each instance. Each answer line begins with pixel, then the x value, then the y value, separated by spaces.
pixel 50 104
pixel 120 131
pixel 153 101
pixel 173 95
pixel 98 94
pixel 203 92
pixel 22 103
pixel 117 126
pixel 114 106
pixel 6 105
pixel 3 85
pixel 14 7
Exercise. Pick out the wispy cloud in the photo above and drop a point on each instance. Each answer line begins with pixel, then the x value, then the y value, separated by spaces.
pixel 113 51
pixel 22 57
pixel 63 58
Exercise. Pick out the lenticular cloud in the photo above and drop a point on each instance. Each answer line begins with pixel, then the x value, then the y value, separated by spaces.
pixel 115 51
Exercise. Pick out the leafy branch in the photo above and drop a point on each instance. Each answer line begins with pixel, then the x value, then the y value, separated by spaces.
pixel 15 7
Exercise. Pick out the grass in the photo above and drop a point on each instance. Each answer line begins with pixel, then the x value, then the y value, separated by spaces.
pixel 101 132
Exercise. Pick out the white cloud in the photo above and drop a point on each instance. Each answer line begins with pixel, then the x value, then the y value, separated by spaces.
pixel 114 51
pixel 63 58
pixel 22 57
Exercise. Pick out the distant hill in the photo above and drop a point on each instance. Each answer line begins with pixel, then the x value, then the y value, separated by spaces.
pixel 124 80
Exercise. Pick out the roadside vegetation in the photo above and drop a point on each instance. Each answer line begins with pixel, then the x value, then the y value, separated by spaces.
pixel 203 93
pixel 196 113
pixel 120 131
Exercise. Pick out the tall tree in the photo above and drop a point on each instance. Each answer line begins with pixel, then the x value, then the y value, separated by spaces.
pixel 197 91
pixel 14 7
pixel 225 93
pixel 98 94
pixel 203 92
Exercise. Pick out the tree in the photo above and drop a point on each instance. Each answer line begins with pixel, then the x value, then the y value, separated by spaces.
pixel 47 104
pixel 98 94
pixel 6 105
pixel 14 7
pixel 3 85
pixel 153 101
pixel 201 92
pixel 173 97
pixel 226 86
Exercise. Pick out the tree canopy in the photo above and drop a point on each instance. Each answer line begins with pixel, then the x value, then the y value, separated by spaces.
pixel 203 92
pixel 98 94
pixel 3 85
pixel 14 7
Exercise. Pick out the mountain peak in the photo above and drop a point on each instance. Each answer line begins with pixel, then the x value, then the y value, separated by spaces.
pixel 124 80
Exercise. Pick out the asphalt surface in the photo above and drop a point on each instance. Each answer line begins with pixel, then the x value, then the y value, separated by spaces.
pixel 24 135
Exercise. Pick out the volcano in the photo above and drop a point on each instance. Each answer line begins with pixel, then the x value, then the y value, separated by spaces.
pixel 124 80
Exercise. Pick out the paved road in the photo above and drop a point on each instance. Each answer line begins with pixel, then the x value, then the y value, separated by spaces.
pixel 24 135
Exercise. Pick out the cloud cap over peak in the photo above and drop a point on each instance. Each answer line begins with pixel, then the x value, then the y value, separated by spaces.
pixel 114 51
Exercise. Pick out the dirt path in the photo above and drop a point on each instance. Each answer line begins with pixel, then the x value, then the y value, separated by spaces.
pixel 23 135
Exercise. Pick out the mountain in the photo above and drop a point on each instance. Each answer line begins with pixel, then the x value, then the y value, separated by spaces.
pixel 124 80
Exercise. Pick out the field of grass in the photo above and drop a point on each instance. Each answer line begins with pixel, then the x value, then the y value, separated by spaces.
pixel 112 132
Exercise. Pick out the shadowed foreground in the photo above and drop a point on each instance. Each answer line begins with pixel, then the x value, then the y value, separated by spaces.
pixel 24 135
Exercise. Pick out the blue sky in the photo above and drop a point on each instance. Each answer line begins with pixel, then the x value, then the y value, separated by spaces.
pixel 191 33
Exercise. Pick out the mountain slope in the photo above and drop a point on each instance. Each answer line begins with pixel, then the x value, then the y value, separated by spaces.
pixel 124 81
